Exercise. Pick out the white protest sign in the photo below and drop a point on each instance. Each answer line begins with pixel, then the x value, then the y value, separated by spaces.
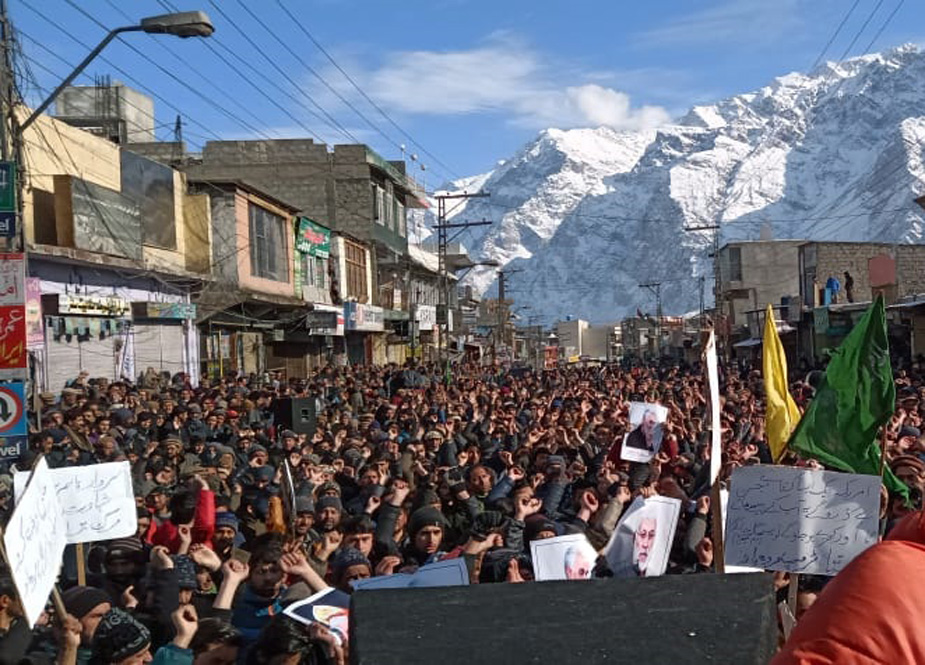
pixel 647 423
pixel 97 501
pixel 34 541
pixel 800 520
pixel 641 543
pixel 448 572
pixel 716 436
pixel 724 511
pixel 569 557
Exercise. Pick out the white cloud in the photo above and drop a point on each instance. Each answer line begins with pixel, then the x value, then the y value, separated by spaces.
pixel 504 76
pixel 756 22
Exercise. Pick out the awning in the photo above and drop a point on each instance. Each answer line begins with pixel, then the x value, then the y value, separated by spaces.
pixel 747 343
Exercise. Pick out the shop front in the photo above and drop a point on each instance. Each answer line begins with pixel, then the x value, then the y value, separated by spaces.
pixel 365 341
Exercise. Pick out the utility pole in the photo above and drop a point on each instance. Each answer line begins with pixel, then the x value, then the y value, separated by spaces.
pixel 6 83
pixel 442 228
pixel 499 334
pixel 700 320
pixel 717 286
pixel 656 288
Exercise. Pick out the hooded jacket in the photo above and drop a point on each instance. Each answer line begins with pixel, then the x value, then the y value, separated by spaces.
pixel 871 611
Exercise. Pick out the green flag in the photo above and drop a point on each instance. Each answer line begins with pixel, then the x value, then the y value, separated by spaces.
pixel 857 396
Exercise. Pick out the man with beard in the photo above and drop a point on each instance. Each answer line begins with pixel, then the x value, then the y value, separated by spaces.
pixel 643 541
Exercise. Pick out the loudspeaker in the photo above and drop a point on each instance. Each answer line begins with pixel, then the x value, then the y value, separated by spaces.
pixel 669 619
pixel 295 413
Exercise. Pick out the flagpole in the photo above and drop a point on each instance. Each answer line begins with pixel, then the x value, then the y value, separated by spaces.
pixel 882 451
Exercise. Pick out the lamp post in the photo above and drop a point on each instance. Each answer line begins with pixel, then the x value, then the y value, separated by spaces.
pixel 179 24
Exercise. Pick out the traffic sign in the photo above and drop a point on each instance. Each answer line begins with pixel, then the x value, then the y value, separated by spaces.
pixel 12 413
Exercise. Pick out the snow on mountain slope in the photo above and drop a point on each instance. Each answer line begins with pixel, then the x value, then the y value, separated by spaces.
pixel 589 214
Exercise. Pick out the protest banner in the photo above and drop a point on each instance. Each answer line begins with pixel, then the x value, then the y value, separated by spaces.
pixel 724 514
pixel 97 501
pixel 448 572
pixel 800 520
pixel 329 607
pixel 568 557
pixel 645 438
pixel 641 543
pixel 34 541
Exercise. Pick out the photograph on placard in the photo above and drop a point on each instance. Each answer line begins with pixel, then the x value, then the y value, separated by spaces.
pixel 329 607
pixel 569 557
pixel 641 543
pixel 647 428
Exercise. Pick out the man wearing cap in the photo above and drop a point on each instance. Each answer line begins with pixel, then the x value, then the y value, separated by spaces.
pixel 328 513
pixel 88 605
pixel 305 519
pixel 225 535
pixel 120 639
pixel 425 528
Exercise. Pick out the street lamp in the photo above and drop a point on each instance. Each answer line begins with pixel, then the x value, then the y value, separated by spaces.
pixel 180 24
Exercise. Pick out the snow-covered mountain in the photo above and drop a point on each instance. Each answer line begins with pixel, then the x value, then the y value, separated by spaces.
pixel 588 214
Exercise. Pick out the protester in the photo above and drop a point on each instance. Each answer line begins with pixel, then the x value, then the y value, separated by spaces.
pixel 403 468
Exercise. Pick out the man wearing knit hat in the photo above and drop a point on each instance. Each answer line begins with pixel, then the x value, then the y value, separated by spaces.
pixel 88 605
pixel 226 531
pixel 328 513
pixel 121 640
pixel 426 528
pixel 348 565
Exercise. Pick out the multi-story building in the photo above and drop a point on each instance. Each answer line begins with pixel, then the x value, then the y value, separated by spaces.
pixel 116 246
pixel 350 189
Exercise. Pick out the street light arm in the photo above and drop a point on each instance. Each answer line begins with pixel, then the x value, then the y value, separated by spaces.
pixel 77 71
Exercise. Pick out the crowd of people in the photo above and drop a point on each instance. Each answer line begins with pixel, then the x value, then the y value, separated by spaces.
pixel 406 466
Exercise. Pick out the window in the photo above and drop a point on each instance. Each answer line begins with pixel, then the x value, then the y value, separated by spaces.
pixel 387 209
pixel 400 223
pixel 378 215
pixel 314 271
pixel 735 264
pixel 269 247
pixel 355 258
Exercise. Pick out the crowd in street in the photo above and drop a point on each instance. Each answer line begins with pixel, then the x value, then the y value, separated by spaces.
pixel 406 466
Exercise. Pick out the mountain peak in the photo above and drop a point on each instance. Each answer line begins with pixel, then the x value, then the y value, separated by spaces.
pixel 590 213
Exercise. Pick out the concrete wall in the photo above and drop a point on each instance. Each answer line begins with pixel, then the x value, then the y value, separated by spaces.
pixel 197 231
pixel 571 334
pixel 224 237
pixel 51 148
pixel 836 258
pixel 333 188
pixel 135 108
pixel 595 340
pixel 170 260
pixel 246 279
pixel 770 270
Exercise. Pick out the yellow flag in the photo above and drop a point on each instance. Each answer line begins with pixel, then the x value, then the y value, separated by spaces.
pixel 782 414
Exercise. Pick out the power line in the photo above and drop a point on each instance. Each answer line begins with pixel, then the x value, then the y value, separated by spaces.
pixel 365 96
pixel 835 34
pixel 863 28
pixel 208 100
pixel 888 20
pixel 333 121
pixel 314 73
pixel 213 42
pixel 128 77
pixel 162 44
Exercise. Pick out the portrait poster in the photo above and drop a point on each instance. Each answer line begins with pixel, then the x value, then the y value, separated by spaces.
pixel 647 427
pixel 329 607
pixel 569 557
pixel 641 543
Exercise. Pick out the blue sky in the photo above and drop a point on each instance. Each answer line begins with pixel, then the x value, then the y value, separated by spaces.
pixel 465 82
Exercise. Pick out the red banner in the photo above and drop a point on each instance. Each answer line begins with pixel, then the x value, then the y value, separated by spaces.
pixel 13 337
